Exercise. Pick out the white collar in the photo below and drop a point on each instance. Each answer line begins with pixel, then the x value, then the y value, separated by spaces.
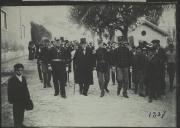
pixel 19 77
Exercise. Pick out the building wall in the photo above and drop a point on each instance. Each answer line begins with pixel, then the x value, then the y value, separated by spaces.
pixel 150 35
pixel 17 33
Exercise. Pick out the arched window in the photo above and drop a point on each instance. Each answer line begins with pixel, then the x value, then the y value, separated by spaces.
pixel 143 33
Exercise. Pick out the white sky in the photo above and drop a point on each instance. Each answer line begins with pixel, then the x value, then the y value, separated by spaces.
pixel 55 19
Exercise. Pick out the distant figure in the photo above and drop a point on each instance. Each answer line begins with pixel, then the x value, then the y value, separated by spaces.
pixel 171 64
pixel 32 49
pixel 18 95
pixel 152 74
pixel 161 57
pixel 44 58
pixel 139 62
pixel 38 55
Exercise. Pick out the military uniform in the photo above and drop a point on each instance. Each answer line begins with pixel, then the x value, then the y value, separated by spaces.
pixel 44 66
pixel 58 60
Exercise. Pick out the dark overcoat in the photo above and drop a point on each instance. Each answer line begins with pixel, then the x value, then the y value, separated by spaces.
pixel 18 91
pixel 83 66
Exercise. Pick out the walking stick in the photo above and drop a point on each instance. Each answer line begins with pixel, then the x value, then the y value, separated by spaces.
pixel 74 88
pixel 68 79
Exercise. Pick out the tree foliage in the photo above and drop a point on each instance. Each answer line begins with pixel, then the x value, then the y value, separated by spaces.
pixel 98 18
pixel 39 31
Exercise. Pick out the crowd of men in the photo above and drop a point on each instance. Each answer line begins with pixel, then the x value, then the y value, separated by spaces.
pixel 144 66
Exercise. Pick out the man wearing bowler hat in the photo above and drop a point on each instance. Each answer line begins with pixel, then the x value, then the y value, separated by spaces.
pixel 161 57
pixel 84 64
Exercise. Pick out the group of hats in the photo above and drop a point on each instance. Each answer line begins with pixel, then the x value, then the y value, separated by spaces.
pixel 83 41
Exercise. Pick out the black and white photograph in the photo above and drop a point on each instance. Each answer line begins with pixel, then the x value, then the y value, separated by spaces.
pixel 89 65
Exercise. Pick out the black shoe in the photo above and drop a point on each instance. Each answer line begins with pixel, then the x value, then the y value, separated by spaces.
pixel 80 92
pixel 171 89
pixel 142 95
pixel 118 91
pixel 55 94
pixel 24 126
pixel 63 96
pixel 102 94
pixel 155 97
pixel 150 100
pixel 135 91
pixel 49 85
pixel 84 93
pixel 125 95
pixel 107 90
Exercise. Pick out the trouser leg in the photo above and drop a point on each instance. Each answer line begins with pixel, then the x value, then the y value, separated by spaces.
pixel 101 80
pixel 39 71
pixel 129 77
pixel 125 74
pixel 45 74
pixel 171 73
pixel 49 78
pixel 171 79
pixel 141 84
pixel 81 88
pixel 86 88
pixel 113 77
pixel 18 115
pixel 45 81
pixel 100 76
pixel 56 82
pixel 62 89
pixel 150 92
pixel 119 80
pixel 162 84
pixel 106 79
pixel 66 78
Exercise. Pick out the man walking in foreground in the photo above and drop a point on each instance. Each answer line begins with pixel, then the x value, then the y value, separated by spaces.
pixel 122 62
pixel 84 64
pixel 18 95
pixel 102 67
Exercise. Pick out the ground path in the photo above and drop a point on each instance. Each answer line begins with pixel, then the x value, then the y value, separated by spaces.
pixel 78 110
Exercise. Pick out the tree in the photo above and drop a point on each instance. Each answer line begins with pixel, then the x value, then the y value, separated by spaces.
pixel 111 17
pixel 39 31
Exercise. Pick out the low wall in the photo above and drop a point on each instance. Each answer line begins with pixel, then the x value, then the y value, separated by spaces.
pixel 7 56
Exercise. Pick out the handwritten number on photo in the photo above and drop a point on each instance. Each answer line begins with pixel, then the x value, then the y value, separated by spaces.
pixel 157 114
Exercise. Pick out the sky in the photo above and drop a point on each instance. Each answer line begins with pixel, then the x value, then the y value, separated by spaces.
pixel 55 19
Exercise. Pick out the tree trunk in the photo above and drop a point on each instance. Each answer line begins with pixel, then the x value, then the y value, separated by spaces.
pixel 125 33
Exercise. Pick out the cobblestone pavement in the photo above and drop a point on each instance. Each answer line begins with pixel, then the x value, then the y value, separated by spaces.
pixel 78 110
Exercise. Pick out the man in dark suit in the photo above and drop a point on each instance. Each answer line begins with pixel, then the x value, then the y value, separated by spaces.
pixel 84 64
pixel 59 58
pixel 122 61
pixel 44 62
pixel 161 57
pixel 18 95
pixel 102 67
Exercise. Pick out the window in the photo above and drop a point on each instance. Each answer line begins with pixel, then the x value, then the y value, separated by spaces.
pixel 143 33
pixel 3 19
pixel 22 31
